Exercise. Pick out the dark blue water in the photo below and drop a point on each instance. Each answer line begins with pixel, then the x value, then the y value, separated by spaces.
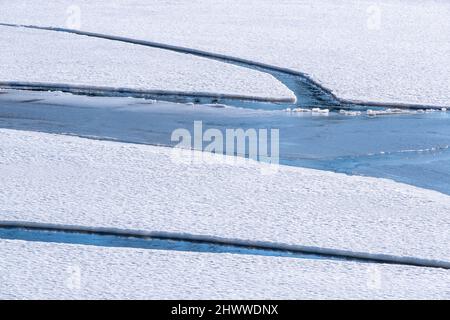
pixel 411 148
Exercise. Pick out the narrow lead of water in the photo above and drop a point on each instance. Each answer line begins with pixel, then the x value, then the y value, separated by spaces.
pixel 102 240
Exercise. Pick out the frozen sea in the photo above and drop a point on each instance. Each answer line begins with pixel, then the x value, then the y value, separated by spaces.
pixel 409 148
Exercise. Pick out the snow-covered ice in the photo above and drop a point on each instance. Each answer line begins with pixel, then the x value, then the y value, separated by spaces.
pixel 382 51
pixel 85 272
pixel 73 181
pixel 379 51
pixel 50 57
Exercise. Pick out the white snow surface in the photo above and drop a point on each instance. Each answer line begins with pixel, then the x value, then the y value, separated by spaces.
pixel 370 50
pixel 74 181
pixel 32 270
pixel 49 57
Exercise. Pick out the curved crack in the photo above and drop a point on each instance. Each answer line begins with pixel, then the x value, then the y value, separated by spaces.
pixel 306 91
